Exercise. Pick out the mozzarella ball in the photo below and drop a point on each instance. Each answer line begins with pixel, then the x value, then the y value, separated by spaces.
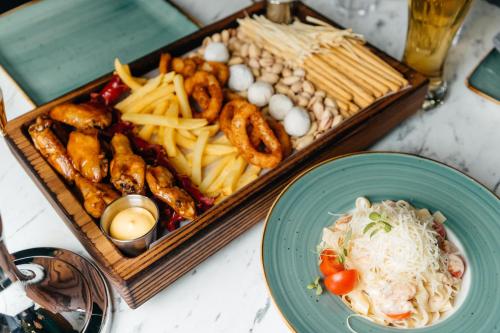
pixel 216 52
pixel 240 77
pixel 259 93
pixel 279 106
pixel 297 122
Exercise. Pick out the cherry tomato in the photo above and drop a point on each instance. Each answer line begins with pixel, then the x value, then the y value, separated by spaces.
pixel 342 282
pixel 399 316
pixel 456 265
pixel 329 263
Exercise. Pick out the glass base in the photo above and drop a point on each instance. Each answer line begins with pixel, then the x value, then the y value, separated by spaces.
pixel 435 96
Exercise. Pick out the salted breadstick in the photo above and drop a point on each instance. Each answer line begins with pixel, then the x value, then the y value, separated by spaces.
pixel 360 97
pixel 363 81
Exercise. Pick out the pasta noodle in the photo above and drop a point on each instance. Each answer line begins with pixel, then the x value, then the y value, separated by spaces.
pixel 408 272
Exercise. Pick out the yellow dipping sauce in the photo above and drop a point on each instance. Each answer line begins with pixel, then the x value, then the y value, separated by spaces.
pixel 131 223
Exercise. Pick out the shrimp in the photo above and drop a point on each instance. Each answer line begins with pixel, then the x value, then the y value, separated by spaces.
pixel 393 298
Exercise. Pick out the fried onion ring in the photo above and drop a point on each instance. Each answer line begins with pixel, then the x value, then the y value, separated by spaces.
pixel 249 114
pixel 220 70
pixel 209 109
pixel 184 66
pixel 279 132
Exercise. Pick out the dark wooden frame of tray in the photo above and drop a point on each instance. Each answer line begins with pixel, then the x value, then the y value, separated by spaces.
pixel 138 279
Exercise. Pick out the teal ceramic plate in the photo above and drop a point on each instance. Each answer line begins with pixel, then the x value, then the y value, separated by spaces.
pixel 294 225
pixel 51 47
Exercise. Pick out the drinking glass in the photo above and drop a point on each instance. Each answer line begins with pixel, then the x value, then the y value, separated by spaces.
pixel 432 25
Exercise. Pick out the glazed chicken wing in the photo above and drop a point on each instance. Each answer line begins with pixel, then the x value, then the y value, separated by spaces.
pixel 161 183
pixel 84 149
pixel 127 169
pixel 51 148
pixel 82 116
pixel 96 196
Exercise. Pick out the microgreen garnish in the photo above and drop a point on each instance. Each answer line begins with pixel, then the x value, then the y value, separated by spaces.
pixel 379 222
pixel 315 285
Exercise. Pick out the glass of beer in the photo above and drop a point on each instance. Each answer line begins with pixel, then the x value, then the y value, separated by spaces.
pixel 432 24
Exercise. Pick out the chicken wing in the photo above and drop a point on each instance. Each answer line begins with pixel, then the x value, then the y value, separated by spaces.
pixel 84 149
pixel 127 169
pixel 51 148
pixel 96 196
pixel 82 116
pixel 161 183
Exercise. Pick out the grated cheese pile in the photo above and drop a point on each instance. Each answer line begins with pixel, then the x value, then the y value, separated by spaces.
pixel 408 251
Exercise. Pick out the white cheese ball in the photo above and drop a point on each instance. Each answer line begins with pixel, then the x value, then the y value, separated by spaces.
pixel 216 52
pixel 240 77
pixel 259 93
pixel 297 122
pixel 279 106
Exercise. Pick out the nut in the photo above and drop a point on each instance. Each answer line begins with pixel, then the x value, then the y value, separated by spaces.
pixel 254 63
pixel 289 80
pixel 299 72
pixel 314 126
pixel 266 54
pixel 296 87
pixel 301 101
pixel 269 77
pixel 225 36
pixel 206 41
pixel 306 95
pixel 282 89
pixel 318 109
pixel 255 72
pixel 313 100
pixel 216 37
pixel 308 87
pixel 266 62
pixel 277 68
pixel 244 50
pixel 333 111
pixel 336 121
pixel 240 34
pixel 235 61
pixel 320 93
pixel 233 32
pixel 253 51
pixel 330 103
pixel 286 72
pixel 234 44
pixel 304 141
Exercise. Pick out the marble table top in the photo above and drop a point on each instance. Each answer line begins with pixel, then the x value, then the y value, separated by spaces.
pixel 227 293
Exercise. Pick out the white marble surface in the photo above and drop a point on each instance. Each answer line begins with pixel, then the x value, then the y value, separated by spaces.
pixel 227 293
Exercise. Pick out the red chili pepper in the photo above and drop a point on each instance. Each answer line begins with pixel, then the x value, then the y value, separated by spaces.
pixel 202 202
pixel 113 90
pixel 173 222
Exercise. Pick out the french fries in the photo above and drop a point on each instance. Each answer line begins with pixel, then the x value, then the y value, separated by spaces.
pixel 124 74
pixel 160 106
pixel 151 119
pixel 199 147
pixel 181 95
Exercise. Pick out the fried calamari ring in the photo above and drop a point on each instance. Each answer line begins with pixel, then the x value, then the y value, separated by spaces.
pixel 279 131
pixel 230 95
pixel 249 114
pixel 185 66
pixel 210 110
pixel 226 117
pixel 220 70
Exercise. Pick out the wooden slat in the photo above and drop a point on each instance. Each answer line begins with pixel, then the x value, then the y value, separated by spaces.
pixel 140 278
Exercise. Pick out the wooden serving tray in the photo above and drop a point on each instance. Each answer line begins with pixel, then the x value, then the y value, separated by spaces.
pixel 138 279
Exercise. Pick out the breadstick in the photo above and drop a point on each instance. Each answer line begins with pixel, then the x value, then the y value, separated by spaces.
pixel 363 81
pixel 374 70
pixel 360 97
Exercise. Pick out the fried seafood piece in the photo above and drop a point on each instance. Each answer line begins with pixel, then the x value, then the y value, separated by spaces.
pixel 82 116
pixel 51 148
pixel 127 170
pixel 218 69
pixel 210 102
pixel 85 152
pixel 249 115
pixel 186 66
pixel 96 196
pixel 279 132
pixel 161 184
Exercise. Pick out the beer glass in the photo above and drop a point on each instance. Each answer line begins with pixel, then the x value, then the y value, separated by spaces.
pixel 432 24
